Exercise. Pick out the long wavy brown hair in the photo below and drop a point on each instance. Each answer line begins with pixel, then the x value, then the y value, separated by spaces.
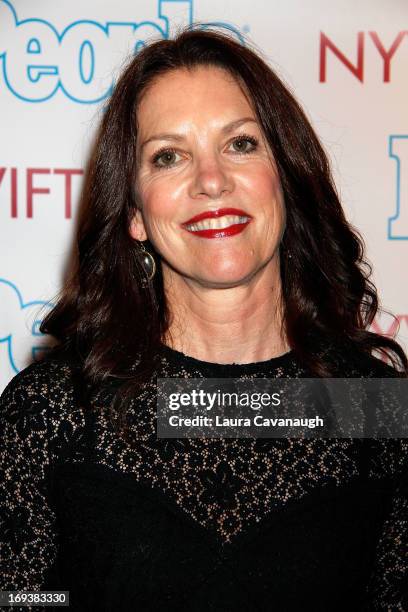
pixel 105 317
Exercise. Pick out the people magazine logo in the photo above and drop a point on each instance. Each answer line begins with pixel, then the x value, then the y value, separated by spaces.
pixel 79 61
pixel 21 341
pixel 38 60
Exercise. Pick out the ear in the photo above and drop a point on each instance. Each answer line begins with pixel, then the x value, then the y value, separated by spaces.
pixel 137 229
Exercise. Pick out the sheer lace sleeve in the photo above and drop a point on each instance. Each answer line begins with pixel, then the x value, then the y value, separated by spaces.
pixel 36 423
pixel 389 583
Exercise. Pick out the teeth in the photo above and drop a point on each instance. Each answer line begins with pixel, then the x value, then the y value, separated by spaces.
pixel 217 223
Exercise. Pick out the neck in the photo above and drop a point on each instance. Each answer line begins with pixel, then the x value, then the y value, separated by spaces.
pixel 241 324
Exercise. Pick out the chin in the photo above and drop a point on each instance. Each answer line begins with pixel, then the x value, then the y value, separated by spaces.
pixel 227 278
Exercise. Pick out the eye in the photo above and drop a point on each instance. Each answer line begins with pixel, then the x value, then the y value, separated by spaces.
pixel 165 158
pixel 244 143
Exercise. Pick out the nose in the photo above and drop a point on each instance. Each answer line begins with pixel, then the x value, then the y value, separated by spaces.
pixel 211 178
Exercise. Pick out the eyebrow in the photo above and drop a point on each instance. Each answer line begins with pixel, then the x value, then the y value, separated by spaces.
pixel 229 127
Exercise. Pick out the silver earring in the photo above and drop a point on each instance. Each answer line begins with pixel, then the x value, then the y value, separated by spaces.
pixel 148 262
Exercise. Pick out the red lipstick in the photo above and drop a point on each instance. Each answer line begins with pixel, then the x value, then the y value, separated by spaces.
pixel 231 230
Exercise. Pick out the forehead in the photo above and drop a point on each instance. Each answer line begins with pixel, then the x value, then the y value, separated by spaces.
pixel 199 94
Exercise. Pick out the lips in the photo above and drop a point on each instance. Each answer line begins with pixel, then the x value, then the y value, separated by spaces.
pixel 231 229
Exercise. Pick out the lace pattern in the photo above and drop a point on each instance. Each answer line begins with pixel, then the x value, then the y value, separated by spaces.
pixel 227 486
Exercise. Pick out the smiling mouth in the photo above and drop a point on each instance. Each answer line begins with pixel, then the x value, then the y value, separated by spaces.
pixel 218 223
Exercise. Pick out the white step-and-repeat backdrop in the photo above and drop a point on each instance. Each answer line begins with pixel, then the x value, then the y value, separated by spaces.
pixel 346 61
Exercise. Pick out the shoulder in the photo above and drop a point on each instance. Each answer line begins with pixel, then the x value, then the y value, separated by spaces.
pixel 352 362
pixel 42 397
pixel 373 367
pixel 48 379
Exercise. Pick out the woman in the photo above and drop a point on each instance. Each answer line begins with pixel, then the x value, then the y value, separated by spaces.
pixel 212 244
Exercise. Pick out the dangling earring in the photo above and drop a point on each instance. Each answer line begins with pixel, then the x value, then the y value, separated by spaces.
pixel 148 262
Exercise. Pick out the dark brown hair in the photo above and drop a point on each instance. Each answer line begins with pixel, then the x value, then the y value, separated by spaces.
pixel 105 317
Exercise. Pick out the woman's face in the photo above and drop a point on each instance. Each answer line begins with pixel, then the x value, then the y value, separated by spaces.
pixel 202 152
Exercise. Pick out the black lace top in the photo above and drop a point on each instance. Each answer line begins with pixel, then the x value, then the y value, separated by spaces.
pixel 196 524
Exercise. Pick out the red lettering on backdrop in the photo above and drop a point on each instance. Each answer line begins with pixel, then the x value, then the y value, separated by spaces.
pixel 326 43
pixel 68 173
pixel 31 190
pixel 13 186
pixel 392 329
pixel 358 69
pixel 387 55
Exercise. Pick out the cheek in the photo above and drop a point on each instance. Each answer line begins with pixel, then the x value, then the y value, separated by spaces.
pixel 154 205
pixel 265 186
pixel 260 178
pixel 268 186
pixel 161 200
pixel 271 199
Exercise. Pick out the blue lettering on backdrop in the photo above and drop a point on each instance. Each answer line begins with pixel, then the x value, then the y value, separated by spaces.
pixel 21 329
pixel 38 60
pixel 398 223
